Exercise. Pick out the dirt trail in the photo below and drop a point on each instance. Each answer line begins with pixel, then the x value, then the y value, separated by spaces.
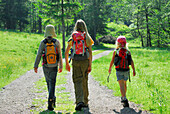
pixel 101 99
pixel 17 97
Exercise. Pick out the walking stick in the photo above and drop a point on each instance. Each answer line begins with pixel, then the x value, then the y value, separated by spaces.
pixel 108 77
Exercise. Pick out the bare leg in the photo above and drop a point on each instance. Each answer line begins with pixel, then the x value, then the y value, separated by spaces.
pixel 125 87
pixel 122 85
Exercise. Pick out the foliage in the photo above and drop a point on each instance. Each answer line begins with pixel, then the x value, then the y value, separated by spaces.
pixel 149 20
pixel 13 14
pixel 107 39
pixel 95 14
pixel 116 30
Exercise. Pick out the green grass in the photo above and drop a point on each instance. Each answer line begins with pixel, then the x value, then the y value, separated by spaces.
pixel 150 86
pixel 18 52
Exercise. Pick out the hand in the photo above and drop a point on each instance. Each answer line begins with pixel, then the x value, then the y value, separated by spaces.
pixel 109 71
pixel 134 73
pixel 68 67
pixel 59 70
pixel 89 69
pixel 35 70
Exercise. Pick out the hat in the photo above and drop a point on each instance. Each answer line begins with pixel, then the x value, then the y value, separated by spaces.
pixel 50 31
pixel 121 40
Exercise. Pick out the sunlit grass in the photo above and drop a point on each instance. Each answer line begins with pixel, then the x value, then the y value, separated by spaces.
pixel 150 86
pixel 18 52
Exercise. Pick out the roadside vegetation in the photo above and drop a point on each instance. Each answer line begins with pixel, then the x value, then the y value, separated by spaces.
pixel 18 51
pixel 150 85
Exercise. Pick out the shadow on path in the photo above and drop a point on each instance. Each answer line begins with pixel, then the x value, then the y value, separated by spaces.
pixel 127 110
pixel 84 111
pixel 48 112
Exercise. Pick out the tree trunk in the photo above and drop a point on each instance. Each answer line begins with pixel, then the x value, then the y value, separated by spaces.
pixel 159 8
pixel 40 21
pixel 20 25
pixel 139 29
pixel 58 29
pixel 40 25
pixel 148 30
pixel 94 20
pixel 63 28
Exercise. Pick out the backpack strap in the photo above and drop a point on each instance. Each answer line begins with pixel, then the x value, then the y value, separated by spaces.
pixel 46 41
pixel 117 51
pixel 53 40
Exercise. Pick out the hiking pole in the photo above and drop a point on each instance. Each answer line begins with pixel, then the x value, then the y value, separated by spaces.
pixel 129 78
pixel 108 77
pixel 70 60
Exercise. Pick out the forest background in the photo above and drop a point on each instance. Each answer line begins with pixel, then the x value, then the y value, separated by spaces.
pixel 145 20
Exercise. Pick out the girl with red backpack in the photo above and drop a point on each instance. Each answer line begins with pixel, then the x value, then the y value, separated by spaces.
pixel 81 43
pixel 122 59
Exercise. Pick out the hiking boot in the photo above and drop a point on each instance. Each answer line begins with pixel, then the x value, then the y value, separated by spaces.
pixel 125 103
pixel 86 106
pixel 50 104
pixel 54 100
pixel 79 106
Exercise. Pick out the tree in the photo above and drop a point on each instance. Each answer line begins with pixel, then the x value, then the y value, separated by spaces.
pixel 95 14
pixel 150 19
pixel 14 14
pixel 56 11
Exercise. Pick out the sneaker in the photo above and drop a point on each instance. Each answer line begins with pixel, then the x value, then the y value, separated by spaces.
pixel 79 106
pixel 125 103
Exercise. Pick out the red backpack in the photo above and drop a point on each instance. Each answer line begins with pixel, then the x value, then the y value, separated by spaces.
pixel 122 59
pixel 79 42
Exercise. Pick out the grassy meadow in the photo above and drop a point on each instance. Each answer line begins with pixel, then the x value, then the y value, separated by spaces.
pixel 150 86
pixel 18 52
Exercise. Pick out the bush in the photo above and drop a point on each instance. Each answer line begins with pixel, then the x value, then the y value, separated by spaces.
pixel 107 39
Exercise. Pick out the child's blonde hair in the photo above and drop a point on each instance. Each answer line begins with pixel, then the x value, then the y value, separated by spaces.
pixel 81 26
pixel 120 45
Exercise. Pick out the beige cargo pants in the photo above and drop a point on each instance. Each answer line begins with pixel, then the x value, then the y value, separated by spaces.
pixel 80 80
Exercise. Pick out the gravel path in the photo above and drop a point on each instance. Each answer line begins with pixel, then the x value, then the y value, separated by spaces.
pixel 17 97
pixel 101 99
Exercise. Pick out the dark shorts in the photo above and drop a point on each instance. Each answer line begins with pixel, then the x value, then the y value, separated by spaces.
pixel 122 75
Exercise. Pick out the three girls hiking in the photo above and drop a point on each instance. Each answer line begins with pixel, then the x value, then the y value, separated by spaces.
pixel 81 44
pixel 122 59
pixel 50 50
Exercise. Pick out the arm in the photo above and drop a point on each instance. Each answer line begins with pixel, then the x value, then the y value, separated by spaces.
pixel 111 63
pixel 90 58
pixel 66 57
pixel 133 67
pixel 38 57
pixel 60 58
